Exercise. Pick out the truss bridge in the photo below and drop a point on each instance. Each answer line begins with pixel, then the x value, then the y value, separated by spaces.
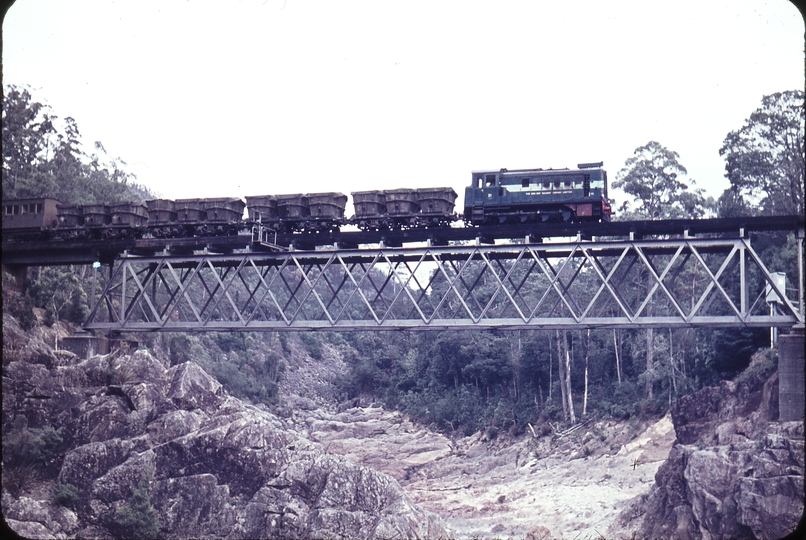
pixel 622 283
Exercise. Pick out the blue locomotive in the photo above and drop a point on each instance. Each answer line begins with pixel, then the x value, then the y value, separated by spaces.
pixel 537 195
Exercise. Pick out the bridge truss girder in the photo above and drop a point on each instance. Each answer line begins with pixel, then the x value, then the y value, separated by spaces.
pixel 685 282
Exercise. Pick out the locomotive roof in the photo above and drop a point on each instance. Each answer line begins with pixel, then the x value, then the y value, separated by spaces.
pixel 538 171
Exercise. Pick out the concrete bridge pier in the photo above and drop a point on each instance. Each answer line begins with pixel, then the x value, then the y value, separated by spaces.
pixel 791 375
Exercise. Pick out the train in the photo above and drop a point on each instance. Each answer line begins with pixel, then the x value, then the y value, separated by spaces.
pixel 493 198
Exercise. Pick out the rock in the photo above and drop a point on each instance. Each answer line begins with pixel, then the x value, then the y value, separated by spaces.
pixel 734 472
pixel 539 533
pixel 380 439
pixel 197 506
pixel 117 484
pixel 19 346
pixel 104 417
pixel 192 388
pixel 213 466
pixel 38 519
pixel 84 464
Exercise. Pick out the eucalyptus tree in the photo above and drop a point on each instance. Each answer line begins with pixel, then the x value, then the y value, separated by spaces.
pixel 43 156
pixel 764 159
pixel 27 125
pixel 656 180
pixel 660 189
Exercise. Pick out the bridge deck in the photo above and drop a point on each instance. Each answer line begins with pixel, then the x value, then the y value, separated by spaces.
pixel 106 251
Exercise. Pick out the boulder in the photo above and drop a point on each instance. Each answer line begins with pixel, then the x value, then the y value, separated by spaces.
pixel 734 471
pixel 192 388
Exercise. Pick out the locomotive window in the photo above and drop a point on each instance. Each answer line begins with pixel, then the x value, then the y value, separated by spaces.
pixel 524 182
pixel 556 183
pixel 567 183
pixel 546 185
pixel 490 178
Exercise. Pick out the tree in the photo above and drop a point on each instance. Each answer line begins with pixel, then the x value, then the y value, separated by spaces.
pixel 26 129
pixel 564 365
pixel 138 518
pixel 58 289
pixel 653 176
pixel 43 157
pixel 764 159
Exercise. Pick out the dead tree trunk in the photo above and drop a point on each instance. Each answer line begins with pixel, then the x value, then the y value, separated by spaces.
pixel 561 372
pixel 571 415
pixel 587 355
pixel 617 347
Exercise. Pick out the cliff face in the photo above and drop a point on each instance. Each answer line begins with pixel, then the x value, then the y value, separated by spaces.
pixel 208 464
pixel 734 471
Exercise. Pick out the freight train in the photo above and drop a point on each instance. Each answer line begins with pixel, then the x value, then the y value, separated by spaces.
pixel 493 197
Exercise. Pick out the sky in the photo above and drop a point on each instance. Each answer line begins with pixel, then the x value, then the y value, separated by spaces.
pixel 253 97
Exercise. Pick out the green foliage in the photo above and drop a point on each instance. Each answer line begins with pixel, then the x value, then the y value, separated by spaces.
pixel 22 444
pixel 137 518
pixel 244 363
pixel 654 177
pixel 730 350
pixel 43 157
pixel 762 366
pixel 58 289
pixel 28 453
pixel 64 494
pixel 497 381
pixel 313 344
pixel 179 347
pixel 764 159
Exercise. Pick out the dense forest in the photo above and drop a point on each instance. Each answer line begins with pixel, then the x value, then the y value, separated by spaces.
pixel 462 381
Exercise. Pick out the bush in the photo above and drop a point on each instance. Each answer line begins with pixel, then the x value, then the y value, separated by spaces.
pixel 30 446
pixel 313 343
pixel 65 495
pixel 27 453
pixel 137 518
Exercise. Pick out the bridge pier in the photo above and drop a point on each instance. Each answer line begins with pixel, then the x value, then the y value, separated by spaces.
pixel 791 375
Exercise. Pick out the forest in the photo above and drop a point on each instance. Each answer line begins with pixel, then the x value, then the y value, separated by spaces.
pixel 461 381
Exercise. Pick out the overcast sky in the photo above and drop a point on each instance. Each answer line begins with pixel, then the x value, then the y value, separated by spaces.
pixel 211 98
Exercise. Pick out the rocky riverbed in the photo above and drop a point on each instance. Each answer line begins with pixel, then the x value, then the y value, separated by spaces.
pixel 548 487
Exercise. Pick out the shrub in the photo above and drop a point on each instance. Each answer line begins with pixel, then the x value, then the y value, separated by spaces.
pixel 64 494
pixel 30 446
pixel 313 343
pixel 27 453
pixel 137 518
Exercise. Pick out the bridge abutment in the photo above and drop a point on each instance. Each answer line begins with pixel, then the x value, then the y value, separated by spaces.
pixel 791 375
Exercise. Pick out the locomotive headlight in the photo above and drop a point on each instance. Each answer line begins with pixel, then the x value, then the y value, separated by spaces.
pixel 96 265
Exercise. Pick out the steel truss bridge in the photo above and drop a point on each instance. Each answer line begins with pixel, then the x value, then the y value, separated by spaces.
pixel 672 273
pixel 629 283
